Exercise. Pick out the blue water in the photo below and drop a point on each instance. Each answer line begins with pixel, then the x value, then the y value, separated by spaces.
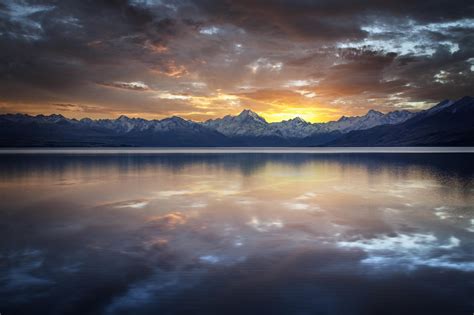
pixel 246 232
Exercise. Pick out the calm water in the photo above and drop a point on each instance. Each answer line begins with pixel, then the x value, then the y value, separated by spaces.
pixel 237 234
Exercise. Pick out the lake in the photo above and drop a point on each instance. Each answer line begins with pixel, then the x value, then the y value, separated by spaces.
pixel 237 232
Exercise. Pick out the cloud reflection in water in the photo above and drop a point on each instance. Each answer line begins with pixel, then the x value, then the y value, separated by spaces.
pixel 177 234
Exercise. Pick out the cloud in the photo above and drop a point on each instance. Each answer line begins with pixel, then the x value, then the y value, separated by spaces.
pixel 307 54
pixel 67 107
pixel 135 85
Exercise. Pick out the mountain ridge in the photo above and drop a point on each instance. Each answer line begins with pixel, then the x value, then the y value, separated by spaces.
pixel 449 123
pixel 245 129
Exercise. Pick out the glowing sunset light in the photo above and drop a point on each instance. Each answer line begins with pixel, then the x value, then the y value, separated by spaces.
pixel 155 59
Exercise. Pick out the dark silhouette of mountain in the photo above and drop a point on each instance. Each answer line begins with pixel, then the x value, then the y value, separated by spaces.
pixel 450 123
pixel 56 130
pixel 446 124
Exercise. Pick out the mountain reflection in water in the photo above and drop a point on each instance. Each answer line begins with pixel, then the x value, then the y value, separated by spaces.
pixel 237 234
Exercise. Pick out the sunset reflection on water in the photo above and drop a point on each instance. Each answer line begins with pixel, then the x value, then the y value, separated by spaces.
pixel 237 233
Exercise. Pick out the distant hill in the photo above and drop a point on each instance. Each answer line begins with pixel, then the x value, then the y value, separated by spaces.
pixel 450 123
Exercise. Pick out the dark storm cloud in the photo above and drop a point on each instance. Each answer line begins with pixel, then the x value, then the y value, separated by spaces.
pixel 296 19
pixel 363 71
pixel 442 75
pixel 73 52
pixel 73 35
pixel 335 19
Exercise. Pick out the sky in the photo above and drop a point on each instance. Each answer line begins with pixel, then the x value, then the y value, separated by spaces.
pixel 202 59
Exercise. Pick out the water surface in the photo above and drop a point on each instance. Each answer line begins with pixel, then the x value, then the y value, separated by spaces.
pixel 241 233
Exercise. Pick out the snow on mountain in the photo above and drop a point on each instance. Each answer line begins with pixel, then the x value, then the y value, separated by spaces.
pixel 293 128
pixel 371 119
pixel 446 123
pixel 442 105
pixel 176 123
pixel 248 123
pixel 124 124
pixel 25 118
pixel 53 119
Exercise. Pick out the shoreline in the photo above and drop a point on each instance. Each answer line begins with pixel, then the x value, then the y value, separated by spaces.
pixel 235 150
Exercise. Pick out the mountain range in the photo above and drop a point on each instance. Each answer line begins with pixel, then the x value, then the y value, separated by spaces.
pixel 449 123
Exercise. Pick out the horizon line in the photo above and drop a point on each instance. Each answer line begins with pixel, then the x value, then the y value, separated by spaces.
pixel 233 150
pixel 235 115
pixel 202 121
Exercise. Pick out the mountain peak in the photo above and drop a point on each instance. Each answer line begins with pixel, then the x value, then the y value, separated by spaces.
pixel 53 118
pixel 123 118
pixel 175 119
pixel 297 119
pixel 373 112
pixel 56 116
pixel 249 113
pixel 449 121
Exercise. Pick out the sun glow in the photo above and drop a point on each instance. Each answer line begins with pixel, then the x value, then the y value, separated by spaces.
pixel 313 114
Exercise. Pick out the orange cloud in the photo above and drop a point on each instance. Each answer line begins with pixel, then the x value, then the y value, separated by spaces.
pixel 156 48
pixel 171 69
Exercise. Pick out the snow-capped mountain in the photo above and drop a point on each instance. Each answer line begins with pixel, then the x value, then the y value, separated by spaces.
pixel 249 123
pixel 371 119
pixel 245 129
pixel 24 130
pixel 292 128
pixel 450 123
pixel 125 125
